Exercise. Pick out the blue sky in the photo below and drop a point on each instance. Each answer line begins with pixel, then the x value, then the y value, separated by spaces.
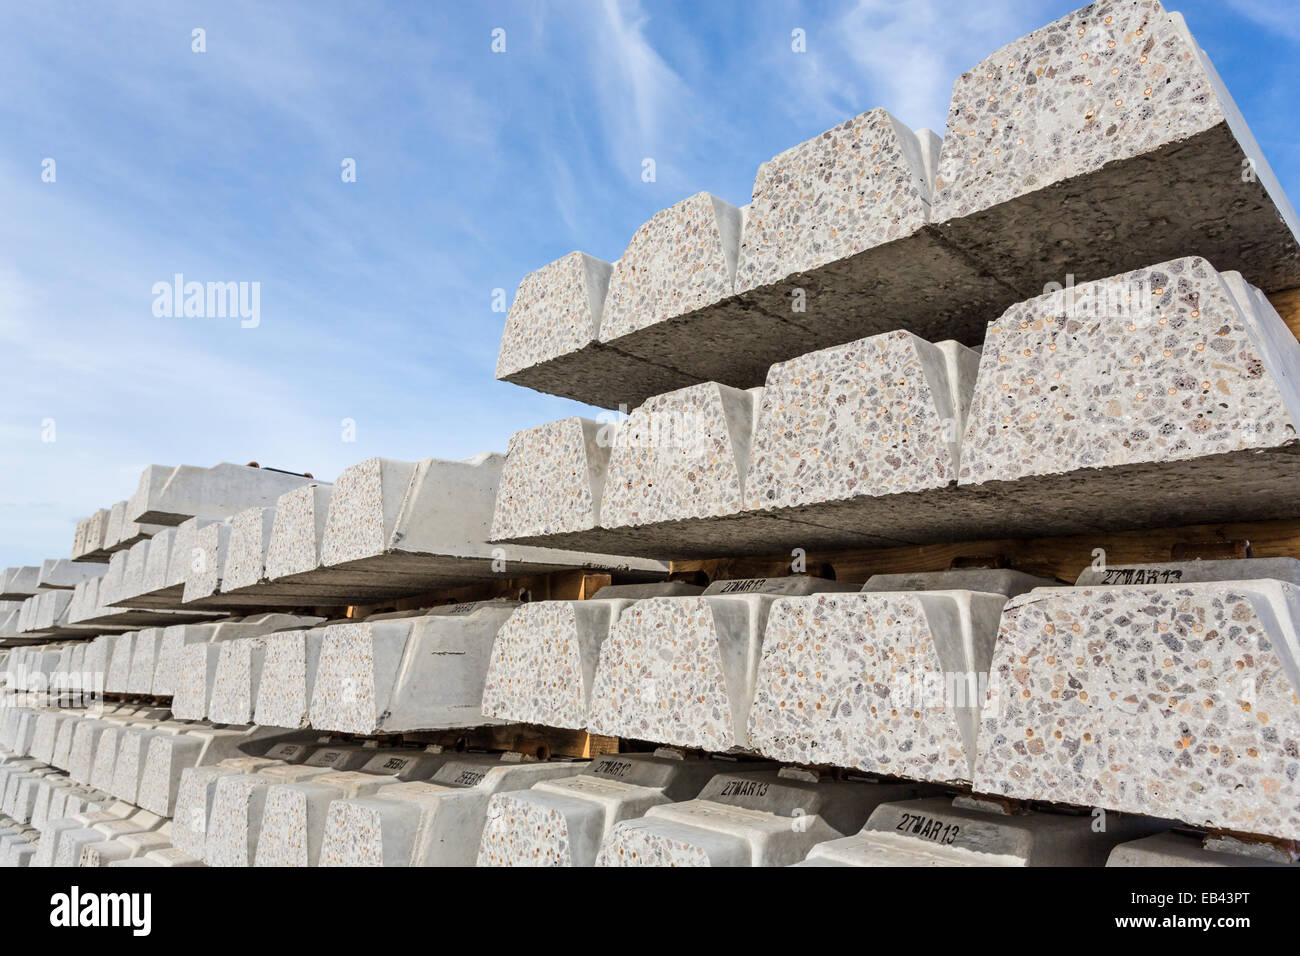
pixel 473 168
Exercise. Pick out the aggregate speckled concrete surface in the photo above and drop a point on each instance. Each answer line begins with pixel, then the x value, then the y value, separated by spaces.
pixel 1153 365
pixel 680 455
pixel 544 661
pixel 890 683
pixel 553 479
pixel 1108 122
pixel 1168 700
pixel 883 415
pixel 681 671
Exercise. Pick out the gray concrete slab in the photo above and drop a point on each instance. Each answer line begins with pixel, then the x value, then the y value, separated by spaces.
pixel 170 755
pixel 294 815
pixel 289 670
pixel 748 818
pixel 19 583
pixel 1108 122
pixel 426 524
pixel 434 823
pixel 194 799
pixel 553 479
pixel 407 674
pixel 551 339
pixel 888 682
pixel 208 563
pixel 544 660
pixel 940 831
pixel 1173 700
pixel 238 804
pixel 216 492
pixel 681 671
pixel 1002 581
pixel 1173 848
pixel 62 573
pixel 1193 572
pixel 563 821
pixel 671 303
pixel 199 660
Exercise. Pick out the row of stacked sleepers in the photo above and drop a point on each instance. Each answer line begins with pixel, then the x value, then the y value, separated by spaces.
pixel 968 717
pixel 1058 319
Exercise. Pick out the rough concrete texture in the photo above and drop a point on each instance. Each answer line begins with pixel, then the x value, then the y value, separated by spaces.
pixel 294 816
pixel 62 757
pixel 250 536
pixel 198 669
pixel 45 612
pixel 544 661
pixel 1193 572
pixel 126 847
pixel 553 479
pixel 556 310
pixel 289 665
pixel 169 670
pixel 44 735
pixel 841 428
pixel 744 818
pixel 843 217
pixel 438 823
pixel 563 821
pixel 118 677
pixel 671 303
pixel 101 770
pixel 132 752
pixel 941 831
pixel 170 655
pixel 406 674
pixel 678 456
pixel 1175 701
pixel 681 671
pixel 194 801
pixel 1108 122
pixel 198 666
pixel 120 533
pixel 1180 375
pixel 79 539
pixel 355 675
pixel 113 530
pixel 235 683
pixel 157 561
pixel 215 492
pixel 137 564
pixel 550 342
pixel 1087 389
pixel 284 693
pixel 62 573
pixel 298 530
pixel 682 260
pixel 235 820
pixel 890 683
pixel 185 556
pixel 207 561
pixel 407 526
pixel 144 658
pixel 673 486
pixel 96 532
pixel 168 756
